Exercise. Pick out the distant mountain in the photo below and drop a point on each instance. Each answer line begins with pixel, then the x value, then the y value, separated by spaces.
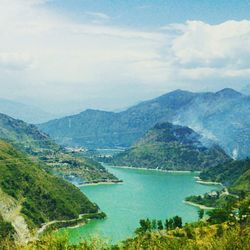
pixel 30 197
pixel 24 112
pixel 223 117
pixel 171 147
pixel 233 174
pixel 29 139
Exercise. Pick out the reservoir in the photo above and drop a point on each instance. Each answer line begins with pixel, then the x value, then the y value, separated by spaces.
pixel 143 194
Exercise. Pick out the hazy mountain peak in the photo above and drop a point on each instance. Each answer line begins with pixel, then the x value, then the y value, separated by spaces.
pixel 228 92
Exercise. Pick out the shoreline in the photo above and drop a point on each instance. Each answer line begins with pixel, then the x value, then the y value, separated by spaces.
pixel 198 205
pixel 199 180
pixel 158 170
pixel 100 183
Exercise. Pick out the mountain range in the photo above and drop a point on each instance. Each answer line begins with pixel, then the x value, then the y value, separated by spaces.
pixel 171 147
pixel 222 117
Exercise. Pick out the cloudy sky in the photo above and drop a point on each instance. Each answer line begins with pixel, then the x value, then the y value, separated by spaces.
pixel 66 56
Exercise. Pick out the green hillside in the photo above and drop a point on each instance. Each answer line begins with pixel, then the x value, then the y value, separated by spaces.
pixel 41 196
pixel 171 147
pixel 234 174
pixel 25 136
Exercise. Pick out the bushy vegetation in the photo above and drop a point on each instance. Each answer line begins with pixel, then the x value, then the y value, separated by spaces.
pixel 6 230
pixel 171 147
pixel 43 196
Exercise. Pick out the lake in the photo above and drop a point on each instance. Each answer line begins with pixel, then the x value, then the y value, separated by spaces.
pixel 143 194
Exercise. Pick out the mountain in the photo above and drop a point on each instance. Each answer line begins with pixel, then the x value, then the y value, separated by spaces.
pixel 27 113
pixel 94 128
pixel 223 117
pixel 171 147
pixel 25 136
pixel 233 174
pixel 29 139
pixel 29 196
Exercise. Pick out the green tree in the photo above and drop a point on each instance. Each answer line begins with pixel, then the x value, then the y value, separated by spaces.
pixel 177 222
pixel 201 213
pixel 159 225
pixel 189 232
pixel 219 231
pixel 171 224
pixel 145 226
pixel 166 224
pixel 154 224
pixel 217 216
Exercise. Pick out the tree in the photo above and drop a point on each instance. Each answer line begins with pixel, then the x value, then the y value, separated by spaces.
pixel 200 213
pixel 177 222
pixel 219 231
pixel 166 224
pixel 154 225
pixel 217 216
pixel 171 224
pixel 189 232
pixel 145 225
pixel 159 225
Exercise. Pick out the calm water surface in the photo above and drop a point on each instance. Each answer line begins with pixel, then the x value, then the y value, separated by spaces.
pixel 143 194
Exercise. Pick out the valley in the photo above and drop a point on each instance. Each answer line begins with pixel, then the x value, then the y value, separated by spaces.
pixel 158 171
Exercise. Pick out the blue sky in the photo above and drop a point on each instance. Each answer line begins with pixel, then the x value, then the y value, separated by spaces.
pixel 66 56
pixel 156 13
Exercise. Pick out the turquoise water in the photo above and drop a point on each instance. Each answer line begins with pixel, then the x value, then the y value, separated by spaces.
pixel 143 194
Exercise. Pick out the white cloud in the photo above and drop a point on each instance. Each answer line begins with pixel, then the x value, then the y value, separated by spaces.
pixel 97 15
pixel 226 44
pixel 54 57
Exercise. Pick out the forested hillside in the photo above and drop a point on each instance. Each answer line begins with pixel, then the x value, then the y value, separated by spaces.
pixel 171 147
pixel 36 195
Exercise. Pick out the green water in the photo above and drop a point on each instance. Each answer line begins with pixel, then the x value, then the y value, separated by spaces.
pixel 144 194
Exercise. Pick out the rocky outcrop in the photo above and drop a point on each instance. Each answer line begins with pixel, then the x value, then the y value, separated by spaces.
pixel 10 211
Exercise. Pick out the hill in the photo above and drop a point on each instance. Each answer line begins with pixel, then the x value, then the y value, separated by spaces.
pixel 25 136
pixel 171 147
pixel 233 174
pixel 221 116
pixel 29 139
pixel 30 196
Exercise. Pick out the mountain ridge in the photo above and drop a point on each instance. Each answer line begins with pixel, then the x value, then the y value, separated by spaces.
pixel 204 112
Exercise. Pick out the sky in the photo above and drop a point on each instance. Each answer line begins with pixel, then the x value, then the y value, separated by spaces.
pixel 69 55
